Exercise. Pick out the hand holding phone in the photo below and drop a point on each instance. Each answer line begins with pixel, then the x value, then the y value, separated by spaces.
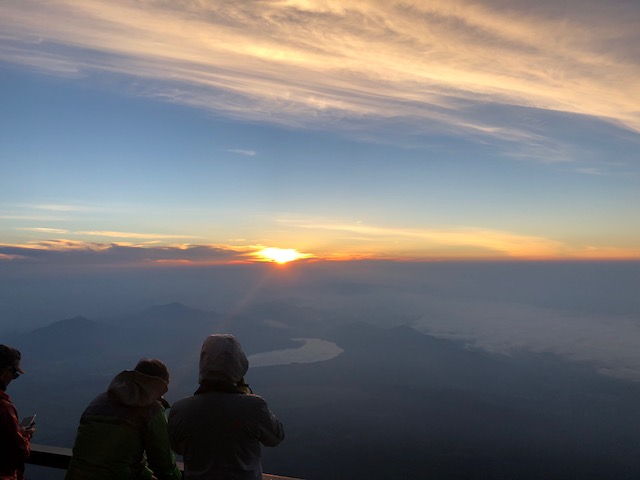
pixel 28 422
pixel 28 426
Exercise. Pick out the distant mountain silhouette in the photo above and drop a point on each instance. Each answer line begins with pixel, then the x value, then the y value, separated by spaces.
pixel 62 343
pixel 183 326
pixel 396 403
pixel 76 324
pixel 172 332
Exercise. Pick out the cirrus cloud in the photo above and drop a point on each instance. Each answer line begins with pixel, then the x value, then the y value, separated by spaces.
pixel 475 68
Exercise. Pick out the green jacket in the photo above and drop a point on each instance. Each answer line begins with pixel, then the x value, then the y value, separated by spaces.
pixel 123 433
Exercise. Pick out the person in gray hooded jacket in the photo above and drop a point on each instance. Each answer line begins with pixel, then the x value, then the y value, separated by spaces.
pixel 220 428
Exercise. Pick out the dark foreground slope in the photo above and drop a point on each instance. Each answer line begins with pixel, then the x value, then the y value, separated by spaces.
pixel 397 404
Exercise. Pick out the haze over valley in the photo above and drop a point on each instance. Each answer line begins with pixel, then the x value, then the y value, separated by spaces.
pixel 397 376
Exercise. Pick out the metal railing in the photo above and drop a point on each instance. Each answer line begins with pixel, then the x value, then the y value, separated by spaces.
pixel 59 457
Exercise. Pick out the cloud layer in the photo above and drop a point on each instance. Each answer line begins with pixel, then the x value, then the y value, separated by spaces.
pixel 316 239
pixel 441 66
pixel 73 253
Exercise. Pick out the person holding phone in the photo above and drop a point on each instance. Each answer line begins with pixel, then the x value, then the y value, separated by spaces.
pixel 15 440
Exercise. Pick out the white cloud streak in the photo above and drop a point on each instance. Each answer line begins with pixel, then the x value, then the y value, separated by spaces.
pixel 136 235
pixel 246 153
pixel 61 208
pixel 502 243
pixel 44 230
pixel 362 240
pixel 437 64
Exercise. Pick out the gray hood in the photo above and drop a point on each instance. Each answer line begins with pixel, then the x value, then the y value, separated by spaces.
pixel 136 389
pixel 222 360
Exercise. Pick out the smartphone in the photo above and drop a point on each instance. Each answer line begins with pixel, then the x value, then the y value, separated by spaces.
pixel 29 421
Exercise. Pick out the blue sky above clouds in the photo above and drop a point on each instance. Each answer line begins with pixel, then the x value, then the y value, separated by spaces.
pixel 361 129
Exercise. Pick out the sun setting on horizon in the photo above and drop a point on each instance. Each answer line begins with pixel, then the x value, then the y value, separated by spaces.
pixel 355 130
pixel 280 255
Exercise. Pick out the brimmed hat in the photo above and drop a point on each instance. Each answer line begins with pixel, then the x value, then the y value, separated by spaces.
pixel 10 357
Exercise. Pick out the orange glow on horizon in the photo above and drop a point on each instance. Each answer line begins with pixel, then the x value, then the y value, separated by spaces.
pixel 402 247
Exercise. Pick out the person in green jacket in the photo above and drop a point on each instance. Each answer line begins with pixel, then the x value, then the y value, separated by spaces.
pixel 123 432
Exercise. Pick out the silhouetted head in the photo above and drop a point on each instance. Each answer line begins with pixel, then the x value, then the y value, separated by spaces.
pixel 153 367
pixel 142 386
pixel 222 360
pixel 9 365
pixel 10 357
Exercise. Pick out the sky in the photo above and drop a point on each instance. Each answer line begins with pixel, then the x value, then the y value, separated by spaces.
pixel 200 132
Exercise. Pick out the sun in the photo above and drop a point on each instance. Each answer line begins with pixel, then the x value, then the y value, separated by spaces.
pixel 280 255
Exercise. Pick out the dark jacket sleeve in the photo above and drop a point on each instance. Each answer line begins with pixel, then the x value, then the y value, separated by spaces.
pixel 175 432
pixel 270 431
pixel 160 458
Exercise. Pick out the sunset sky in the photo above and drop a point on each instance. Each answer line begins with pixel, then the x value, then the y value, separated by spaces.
pixel 203 131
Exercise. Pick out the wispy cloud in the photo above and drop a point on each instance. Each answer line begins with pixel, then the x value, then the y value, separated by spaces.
pixel 248 153
pixel 590 171
pixel 107 233
pixel 44 213
pixel 61 208
pixel 134 235
pixel 44 230
pixel 7 257
pixel 34 218
pixel 452 243
pixel 435 64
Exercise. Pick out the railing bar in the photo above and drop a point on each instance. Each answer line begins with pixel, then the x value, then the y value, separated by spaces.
pixel 59 457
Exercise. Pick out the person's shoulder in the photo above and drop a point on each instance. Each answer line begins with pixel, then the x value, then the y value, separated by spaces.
pixel 178 404
pixel 6 407
pixel 103 397
pixel 98 402
pixel 254 400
